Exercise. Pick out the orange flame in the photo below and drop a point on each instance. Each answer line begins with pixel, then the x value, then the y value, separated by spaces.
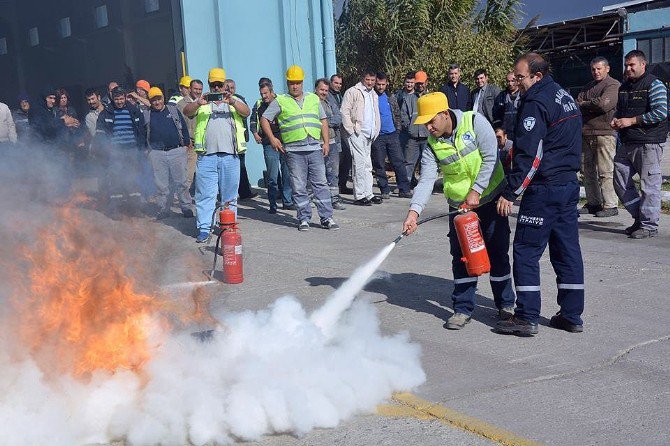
pixel 80 310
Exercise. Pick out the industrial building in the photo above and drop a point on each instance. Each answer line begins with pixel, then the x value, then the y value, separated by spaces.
pixel 570 45
pixel 77 44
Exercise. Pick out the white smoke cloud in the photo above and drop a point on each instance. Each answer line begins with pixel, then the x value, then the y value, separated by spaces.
pixel 271 371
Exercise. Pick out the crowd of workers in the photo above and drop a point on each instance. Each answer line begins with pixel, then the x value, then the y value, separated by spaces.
pixel 493 147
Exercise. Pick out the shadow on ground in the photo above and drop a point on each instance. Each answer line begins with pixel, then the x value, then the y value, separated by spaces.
pixel 421 293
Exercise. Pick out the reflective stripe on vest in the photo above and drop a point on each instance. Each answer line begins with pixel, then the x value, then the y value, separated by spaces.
pixel 201 121
pixel 258 118
pixel 296 123
pixel 460 163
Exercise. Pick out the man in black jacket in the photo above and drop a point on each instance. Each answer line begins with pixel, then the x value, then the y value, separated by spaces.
pixel 121 135
pixel 506 105
pixel 47 127
pixel 642 121
pixel 458 95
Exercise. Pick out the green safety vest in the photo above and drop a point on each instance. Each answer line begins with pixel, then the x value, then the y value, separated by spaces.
pixel 460 163
pixel 201 121
pixel 296 123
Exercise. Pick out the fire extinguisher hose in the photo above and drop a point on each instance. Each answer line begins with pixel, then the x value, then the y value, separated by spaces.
pixel 427 219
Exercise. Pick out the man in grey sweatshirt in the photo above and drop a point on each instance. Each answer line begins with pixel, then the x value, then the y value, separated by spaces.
pixel 464 146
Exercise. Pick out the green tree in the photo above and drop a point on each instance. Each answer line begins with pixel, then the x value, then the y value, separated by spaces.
pixel 397 36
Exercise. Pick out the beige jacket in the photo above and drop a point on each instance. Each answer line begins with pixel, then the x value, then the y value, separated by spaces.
pixel 352 108
pixel 7 128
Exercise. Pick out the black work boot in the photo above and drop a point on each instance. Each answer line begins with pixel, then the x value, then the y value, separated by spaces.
pixel 517 327
pixel 561 323
pixel 634 227
pixel 505 313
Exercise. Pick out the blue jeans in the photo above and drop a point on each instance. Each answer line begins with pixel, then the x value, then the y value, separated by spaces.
pixel 274 162
pixel 216 173
pixel 309 167
pixel 388 144
pixel 333 173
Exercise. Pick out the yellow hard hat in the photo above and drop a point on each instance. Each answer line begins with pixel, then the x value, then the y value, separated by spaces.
pixel 155 91
pixel 295 74
pixel 216 75
pixel 430 105
pixel 185 81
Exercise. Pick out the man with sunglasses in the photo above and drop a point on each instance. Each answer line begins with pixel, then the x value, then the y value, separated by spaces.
pixel 546 159
pixel 219 141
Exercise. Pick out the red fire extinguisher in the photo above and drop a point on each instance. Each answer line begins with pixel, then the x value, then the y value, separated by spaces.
pixel 469 233
pixel 230 238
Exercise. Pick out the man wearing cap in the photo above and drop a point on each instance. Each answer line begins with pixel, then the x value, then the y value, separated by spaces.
pixel 46 125
pixel 140 97
pixel 362 123
pixel 184 90
pixel 218 140
pixel 303 126
pixel 168 140
pixel 464 147
pixel 121 133
pixel 415 137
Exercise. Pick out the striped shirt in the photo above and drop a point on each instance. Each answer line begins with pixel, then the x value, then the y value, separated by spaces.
pixel 122 131
pixel 658 103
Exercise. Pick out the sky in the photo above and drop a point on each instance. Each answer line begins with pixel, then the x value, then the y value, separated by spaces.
pixel 556 10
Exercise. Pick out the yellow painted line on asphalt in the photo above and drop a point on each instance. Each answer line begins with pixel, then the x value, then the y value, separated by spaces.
pixel 415 407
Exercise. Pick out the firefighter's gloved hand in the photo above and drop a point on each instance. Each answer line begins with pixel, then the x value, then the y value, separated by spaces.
pixel 410 225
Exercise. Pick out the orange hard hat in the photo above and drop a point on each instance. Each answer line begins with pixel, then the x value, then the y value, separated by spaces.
pixel 144 85
pixel 421 77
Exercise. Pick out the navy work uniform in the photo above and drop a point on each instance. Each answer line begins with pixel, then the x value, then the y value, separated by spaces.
pixel 547 155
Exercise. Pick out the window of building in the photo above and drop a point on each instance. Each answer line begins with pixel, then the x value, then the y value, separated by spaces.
pixel 3 46
pixel 657 49
pixel 101 18
pixel 64 28
pixel 151 5
pixel 34 36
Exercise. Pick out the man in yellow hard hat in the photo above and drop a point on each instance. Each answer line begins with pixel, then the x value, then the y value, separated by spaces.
pixel 302 125
pixel 464 147
pixel 219 141
pixel 168 140
pixel 184 90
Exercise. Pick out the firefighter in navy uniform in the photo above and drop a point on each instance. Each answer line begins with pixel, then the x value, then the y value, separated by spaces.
pixel 547 155
pixel 464 147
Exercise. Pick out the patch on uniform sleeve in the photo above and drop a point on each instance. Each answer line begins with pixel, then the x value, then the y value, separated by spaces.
pixel 531 221
pixel 528 123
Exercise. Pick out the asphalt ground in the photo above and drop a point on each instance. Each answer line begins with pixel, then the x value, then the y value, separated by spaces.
pixel 609 385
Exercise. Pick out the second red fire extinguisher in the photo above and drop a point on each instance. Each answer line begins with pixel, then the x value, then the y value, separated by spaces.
pixel 470 238
pixel 230 238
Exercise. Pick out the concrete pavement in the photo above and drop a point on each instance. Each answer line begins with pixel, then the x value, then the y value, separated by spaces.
pixel 608 385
